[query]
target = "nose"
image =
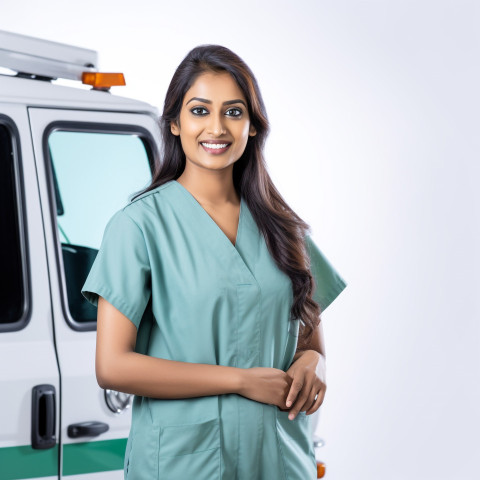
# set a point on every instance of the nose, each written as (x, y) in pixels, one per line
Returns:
(216, 126)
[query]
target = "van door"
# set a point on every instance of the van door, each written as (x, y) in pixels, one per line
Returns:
(89, 165)
(29, 376)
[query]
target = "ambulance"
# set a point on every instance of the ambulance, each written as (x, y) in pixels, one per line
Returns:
(71, 155)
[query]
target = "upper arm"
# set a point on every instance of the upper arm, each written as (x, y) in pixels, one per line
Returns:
(328, 282)
(328, 285)
(119, 285)
(316, 342)
(116, 335)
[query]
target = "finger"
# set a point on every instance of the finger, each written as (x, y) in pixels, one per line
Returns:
(295, 388)
(310, 409)
(311, 399)
(299, 404)
(318, 402)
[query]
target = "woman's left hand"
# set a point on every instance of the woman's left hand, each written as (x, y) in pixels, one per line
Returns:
(308, 381)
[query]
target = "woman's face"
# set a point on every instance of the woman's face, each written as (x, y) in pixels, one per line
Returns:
(214, 122)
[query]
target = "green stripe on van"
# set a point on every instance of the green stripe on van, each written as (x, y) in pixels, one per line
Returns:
(26, 462)
(90, 457)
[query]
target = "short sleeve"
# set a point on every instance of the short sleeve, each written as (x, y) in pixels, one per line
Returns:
(121, 270)
(328, 283)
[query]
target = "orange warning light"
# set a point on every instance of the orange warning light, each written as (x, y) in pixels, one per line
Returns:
(103, 80)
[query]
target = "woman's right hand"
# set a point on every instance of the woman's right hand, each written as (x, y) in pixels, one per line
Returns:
(266, 385)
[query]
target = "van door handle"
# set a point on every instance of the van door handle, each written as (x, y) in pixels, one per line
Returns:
(86, 429)
(43, 416)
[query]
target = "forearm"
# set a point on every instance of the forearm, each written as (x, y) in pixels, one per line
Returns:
(298, 354)
(143, 375)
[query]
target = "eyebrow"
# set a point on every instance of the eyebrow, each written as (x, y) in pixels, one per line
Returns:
(228, 102)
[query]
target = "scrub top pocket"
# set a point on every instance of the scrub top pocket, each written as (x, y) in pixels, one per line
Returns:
(141, 452)
(295, 441)
(190, 451)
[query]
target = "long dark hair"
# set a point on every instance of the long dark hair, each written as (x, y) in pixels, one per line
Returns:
(282, 228)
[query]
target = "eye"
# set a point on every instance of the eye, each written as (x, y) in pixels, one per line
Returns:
(237, 110)
(198, 108)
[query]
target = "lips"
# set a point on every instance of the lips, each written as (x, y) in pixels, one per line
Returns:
(215, 146)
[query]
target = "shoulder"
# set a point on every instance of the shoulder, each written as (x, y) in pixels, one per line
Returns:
(148, 206)
(312, 248)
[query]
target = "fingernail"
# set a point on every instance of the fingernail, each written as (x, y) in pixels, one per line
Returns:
(289, 403)
(290, 416)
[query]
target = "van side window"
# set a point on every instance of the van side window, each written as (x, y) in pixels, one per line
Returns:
(94, 175)
(12, 292)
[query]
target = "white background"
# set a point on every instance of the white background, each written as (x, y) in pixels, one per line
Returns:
(374, 109)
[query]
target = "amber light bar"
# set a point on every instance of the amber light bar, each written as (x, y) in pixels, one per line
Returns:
(103, 80)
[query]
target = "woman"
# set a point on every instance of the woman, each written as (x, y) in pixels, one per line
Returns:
(201, 282)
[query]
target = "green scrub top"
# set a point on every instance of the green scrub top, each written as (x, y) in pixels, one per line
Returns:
(196, 297)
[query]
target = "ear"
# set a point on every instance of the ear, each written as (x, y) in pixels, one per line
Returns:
(174, 128)
(252, 131)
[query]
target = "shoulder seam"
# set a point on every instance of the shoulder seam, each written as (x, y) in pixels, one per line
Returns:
(147, 194)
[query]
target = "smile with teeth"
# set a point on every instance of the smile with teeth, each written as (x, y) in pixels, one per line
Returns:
(215, 145)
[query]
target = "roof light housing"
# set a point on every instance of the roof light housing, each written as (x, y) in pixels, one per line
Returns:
(39, 59)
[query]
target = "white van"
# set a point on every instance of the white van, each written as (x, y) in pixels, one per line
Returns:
(70, 157)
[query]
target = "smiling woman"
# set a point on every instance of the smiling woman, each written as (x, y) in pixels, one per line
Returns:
(209, 292)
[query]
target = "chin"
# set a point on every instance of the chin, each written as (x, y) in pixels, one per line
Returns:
(214, 164)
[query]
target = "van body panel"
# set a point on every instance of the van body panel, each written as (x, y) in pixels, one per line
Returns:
(27, 349)
(83, 400)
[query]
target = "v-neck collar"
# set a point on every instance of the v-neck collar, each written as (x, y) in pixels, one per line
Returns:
(247, 244)
(211, 220)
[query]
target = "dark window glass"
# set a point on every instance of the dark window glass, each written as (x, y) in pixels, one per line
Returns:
(11, 271)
